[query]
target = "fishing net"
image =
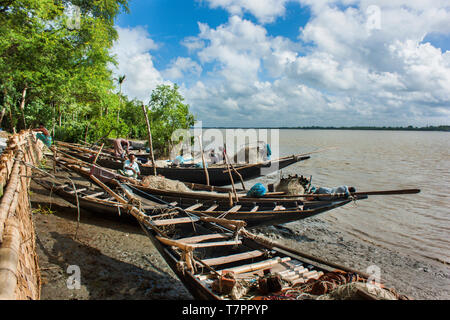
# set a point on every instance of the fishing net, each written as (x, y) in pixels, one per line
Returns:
(292, 185)
(158, 182)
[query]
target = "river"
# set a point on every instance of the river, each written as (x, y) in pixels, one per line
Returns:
(415, 224)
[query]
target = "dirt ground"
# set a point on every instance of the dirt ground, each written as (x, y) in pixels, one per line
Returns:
(117, 261)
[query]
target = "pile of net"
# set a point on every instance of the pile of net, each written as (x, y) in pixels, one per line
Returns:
(336, 285)
(159, 182)
(292, 185)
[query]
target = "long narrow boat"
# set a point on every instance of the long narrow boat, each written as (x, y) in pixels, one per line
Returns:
(219, 259)
(98, 201)
(261, 214)
(189, 173)
(193, 192)
(256, 212)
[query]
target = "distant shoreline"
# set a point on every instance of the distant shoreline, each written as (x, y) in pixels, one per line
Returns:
(409, 128)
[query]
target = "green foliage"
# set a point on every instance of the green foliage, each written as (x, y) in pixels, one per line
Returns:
(167, 114)
(43, 210)
(58, 72)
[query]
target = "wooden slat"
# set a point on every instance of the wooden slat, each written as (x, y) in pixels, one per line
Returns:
(212, 208)
(233, 258)
(204, 237)
(234, 209)
(159, 216)
(95, 194)
(79, 190)
(257, 265)
(174, 221)
(193, 207)
(216, 244)
(250, 267)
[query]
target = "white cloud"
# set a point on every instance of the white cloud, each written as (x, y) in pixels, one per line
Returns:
(338, 65)
(266, 11)
(132, 51)
(338, 72)
(181, 66)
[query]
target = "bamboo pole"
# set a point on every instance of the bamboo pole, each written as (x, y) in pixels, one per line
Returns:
(150, 144)
(232, 181)
(234, 169)
(9, 259)
(11, 189)
(203, 160)
(98, 153)
(340, 195)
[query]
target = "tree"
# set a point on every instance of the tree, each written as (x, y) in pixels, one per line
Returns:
(167, 114)
(120, 81)
(52, 72)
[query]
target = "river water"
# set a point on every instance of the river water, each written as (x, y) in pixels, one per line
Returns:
(416, 224)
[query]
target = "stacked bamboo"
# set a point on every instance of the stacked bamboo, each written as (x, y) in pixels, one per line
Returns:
(19, 269)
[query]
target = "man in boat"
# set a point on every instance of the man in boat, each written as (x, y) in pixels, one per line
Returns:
(131, 167)
(43, 135)
(119, 145)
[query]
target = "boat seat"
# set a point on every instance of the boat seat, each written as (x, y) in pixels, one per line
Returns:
(212, 208)
(204, 237)
(257, 266)
(233, 258)
(216, 244)
(166, 222)
(193, 207)
(234, 209)
(79, 190)
(95, 194)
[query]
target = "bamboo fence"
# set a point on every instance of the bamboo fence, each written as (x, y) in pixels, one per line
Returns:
(19, 268)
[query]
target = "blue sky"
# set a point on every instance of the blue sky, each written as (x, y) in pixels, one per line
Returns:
(292, 62)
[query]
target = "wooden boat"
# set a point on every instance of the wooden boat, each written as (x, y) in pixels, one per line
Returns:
(98, 201)
(219, 259)
(218, 176)
(254, 211)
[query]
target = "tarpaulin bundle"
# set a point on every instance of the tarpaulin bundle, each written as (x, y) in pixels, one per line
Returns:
(258, 190)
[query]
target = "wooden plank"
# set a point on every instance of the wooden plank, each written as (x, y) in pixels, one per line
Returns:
(159, 216)
(174, 221)
(257, 265)
(204, 237)
(79, 190)
(193, 207)
(212, 208)
(234, 209)
(95, 194)
(216, 244)
(233, 258)
(250, 267)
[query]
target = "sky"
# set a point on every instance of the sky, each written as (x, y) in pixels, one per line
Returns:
(271, 63)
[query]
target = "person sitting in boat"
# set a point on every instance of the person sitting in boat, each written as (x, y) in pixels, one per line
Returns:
(330, 191)
(43, 135)
(131, 167)
(119, 146)
(214, 157)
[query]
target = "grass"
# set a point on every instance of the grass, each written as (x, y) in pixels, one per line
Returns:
(43, 210)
